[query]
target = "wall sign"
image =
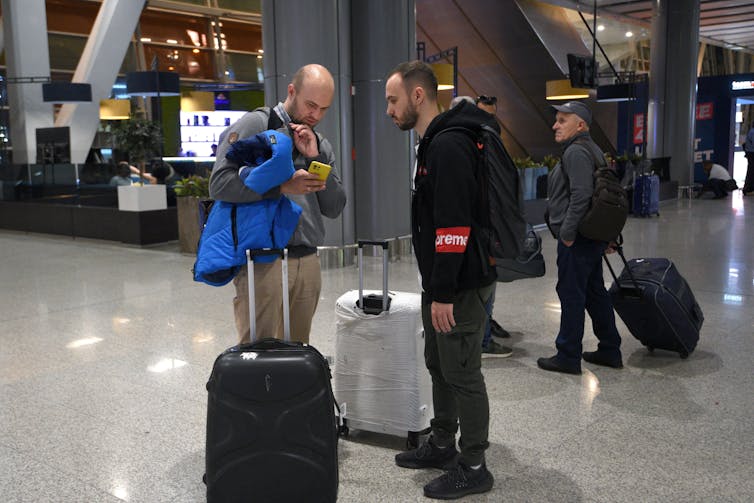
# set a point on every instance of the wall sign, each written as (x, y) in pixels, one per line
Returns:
(638, 129)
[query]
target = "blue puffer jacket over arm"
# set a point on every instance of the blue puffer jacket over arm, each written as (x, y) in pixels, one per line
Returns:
(231, 228)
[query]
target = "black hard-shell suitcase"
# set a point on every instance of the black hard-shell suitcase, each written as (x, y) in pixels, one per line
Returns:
(656, 304)
(272, 431)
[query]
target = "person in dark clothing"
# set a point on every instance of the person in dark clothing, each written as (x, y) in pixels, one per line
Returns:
(748, 147)
(490, 347)
(580, 283)
(456, 281)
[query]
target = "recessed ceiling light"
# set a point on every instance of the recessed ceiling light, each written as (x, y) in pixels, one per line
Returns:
(600, 27)
(629, 34)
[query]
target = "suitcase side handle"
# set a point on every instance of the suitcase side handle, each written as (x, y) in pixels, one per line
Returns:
(263, 252)
(385, 298)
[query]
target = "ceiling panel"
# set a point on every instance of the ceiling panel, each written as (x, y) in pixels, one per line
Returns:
(720, 20)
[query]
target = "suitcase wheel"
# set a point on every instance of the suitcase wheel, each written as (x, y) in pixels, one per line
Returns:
(684, 355)
(651, 349)
(412, 440)
(343, 430)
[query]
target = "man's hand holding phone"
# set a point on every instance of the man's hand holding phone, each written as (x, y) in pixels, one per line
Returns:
(302, 182)
(320, 169)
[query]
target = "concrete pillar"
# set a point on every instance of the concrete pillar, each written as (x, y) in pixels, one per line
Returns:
(296, 33)
(376, 35)
(672, 85)
(99, 64)
(26, 56)
(384, 34)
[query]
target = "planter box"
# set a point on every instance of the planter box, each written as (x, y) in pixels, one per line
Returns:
(190, 218)
(142, 198)
(529, 180)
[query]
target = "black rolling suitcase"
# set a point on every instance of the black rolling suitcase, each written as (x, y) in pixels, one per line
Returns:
(656, 304)
(272, 431)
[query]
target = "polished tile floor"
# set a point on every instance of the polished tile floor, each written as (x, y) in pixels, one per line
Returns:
(106, 350)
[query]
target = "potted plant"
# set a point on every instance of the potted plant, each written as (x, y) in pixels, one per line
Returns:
(550, 161)
(140, 138)
(192, 206)
(529, 171)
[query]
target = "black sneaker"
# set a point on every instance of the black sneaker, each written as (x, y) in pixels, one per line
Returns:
(599, 358)
(497, 350)
(428, 455)
(497, 330)
(459, 482)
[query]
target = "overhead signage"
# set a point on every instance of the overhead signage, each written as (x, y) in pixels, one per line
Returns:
(739, 85)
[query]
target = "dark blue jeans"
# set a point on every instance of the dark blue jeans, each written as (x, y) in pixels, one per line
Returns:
(581, 287)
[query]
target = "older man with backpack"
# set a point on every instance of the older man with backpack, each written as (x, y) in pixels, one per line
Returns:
(583, 220)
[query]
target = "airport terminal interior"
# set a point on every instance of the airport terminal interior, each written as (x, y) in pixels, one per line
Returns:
(108, 342)
(107, 350)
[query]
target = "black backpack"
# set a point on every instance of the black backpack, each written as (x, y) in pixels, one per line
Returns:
(513, 248)
(608, 211)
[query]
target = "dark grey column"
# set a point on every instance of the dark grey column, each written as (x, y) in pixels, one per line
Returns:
(359, 42)
(27, 56)
(384, 34)
(297, 33)
(672, 85)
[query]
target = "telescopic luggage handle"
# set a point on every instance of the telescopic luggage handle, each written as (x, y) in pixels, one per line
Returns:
(266, 252)
(370, 307)
(619, 249)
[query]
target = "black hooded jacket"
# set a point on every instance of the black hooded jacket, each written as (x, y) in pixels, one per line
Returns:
(445, 206)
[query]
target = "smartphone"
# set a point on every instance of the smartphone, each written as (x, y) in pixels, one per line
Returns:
(320, 169)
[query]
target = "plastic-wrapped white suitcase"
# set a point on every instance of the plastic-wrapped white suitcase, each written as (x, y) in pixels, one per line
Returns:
(380, 380)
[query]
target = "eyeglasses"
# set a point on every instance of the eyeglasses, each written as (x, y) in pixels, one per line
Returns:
(487, 100)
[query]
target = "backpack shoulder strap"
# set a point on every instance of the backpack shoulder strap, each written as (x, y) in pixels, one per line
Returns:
(599, 161)
(273, 121)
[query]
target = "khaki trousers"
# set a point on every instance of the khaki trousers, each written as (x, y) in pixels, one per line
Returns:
(304, 286)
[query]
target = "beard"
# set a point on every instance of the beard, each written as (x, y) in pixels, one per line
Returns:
(294, 114)
(407, 121)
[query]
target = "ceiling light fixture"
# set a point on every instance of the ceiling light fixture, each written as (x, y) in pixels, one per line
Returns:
(562, 90)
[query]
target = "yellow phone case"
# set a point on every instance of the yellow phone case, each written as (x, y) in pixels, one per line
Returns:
(320, 169)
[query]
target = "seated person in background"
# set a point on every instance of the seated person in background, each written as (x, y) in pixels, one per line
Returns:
(122, 174)
(719, 180)
(134, 172)
(163, 173)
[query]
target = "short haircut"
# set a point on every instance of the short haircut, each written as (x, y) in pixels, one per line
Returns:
(417, 73)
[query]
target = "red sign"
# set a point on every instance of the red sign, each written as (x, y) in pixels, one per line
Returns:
(704, 111)
(638, 129)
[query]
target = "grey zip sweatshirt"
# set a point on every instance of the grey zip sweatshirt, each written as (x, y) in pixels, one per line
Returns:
(225, 184)
(570, 186)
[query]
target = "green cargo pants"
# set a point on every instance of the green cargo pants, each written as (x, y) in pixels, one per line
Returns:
(454, 361)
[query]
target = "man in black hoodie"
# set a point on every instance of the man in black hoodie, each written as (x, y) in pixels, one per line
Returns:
(456, 281)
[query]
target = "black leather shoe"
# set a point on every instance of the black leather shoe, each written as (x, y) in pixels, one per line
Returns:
(554, 365)
(601, 359)
(428, 455)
